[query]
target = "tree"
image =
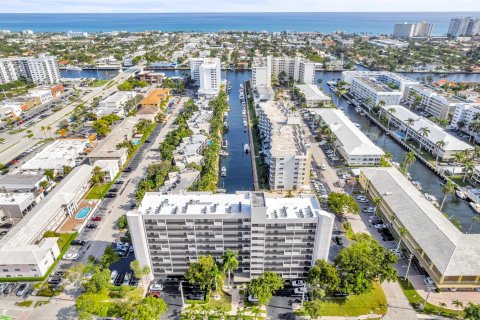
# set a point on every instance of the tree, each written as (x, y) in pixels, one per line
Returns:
(458, 304)
(447, 188)
(362, 263)
(256, 310)
(323, 275)
(440, 144)
(338, 202)
(408, 159)
(89, 303)
(402, 231)
(101, 127)
(475, 219)
(391, 111)
(44, 184)
(109, 257)
(204, 272)
(409, 123)
(67, 170)
(472, 311)
(149, 308)
(313, 308)
(424, 132)
(98, 282)
(139, 271)
(265, 286)
(469, 166)
(122, 222)
(230, 263)
(49, 173)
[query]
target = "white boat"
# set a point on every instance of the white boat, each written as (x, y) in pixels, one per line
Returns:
(246, 148)
(460, 194)
(224, 143)
(73, 68)
(223, 172)
(358, 109)
(356, 125)
(349, 102)
(417, 185)
(430, 198)
(245, 123)
(362, 113)
(475, 206)
(223, 153)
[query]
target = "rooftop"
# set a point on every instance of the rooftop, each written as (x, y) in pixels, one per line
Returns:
(312, 92)
(156, 96)
(10, 182)
(14, 198)
(118, 96)
(453, 252)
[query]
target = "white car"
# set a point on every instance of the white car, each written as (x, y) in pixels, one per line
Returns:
(380, 226)
(363, 201)
(395, 251)
(298, 283)
(428, 281)
(156, 287)
(300, 290)
(71, 256)
(335, 158)
(361, 197)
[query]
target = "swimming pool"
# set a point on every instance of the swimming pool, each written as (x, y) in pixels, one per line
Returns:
(136, 141)
(82, 213)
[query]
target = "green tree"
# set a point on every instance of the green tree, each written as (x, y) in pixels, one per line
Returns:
(458, 304)
(109, 257)
(67, 170)
(313, 308)
(265, 286)
(472, 311)
(149, 308)
(98, 282)
(402, 232)
(122, 222)
(323, 275)
(338, 202)
(88, 304)
(49, 173)
(139, 271)
(44, 184)
(440, 144)
(424, 132)
(362, 263)
(447, 188)
(230, 263)
(204, 272)
(408, 159)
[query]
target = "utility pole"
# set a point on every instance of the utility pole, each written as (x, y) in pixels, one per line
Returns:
(409, 263)
(181, 292)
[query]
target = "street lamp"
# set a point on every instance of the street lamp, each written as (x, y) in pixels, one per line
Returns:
(181, 292)
(409, 263)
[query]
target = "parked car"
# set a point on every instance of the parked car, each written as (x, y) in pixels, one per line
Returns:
(55, 281)
(363, 201)
(380, 226)
(8, 288)
(298, 283)
(155, 294)
(369, 210)
(360, 197)
(22, 289)
(97, 218)
(58, 273)
(78, 243)
(338, 240)
(6, 225)
(91, 226)
(300, 290)
(156, 287)
(113, 276)
(71, 256)
(428, 281)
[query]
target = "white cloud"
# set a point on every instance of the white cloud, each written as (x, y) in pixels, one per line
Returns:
(150, 6)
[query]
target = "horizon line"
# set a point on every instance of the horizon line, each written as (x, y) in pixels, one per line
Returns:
(222, 12)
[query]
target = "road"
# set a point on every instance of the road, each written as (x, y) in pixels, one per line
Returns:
(18, 142)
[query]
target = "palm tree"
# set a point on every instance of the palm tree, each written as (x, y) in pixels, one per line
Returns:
(408, 159)
(475, 220)
(391, 111)
(458, 304)
(424, 132)
(442, 304)
(459, 157)
(240, 314)
(401, 232)
(469, 165)
(448, 188)
(409, 122)
(439, 145)
(192, 311)
(230, 263)
(49, 129)
(44, 184)
(474, 127)
(417, 100)
(49, 173)
(204, 310)
(475, 152)
(256, 310)
(43, 130)
(388, 155)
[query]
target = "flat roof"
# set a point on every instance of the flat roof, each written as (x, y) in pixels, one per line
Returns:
(118, 96)
(352, 139)
(11, 198)
(60, 153)
(312, 92)
(156, 96)
(20, 181)
(436, 132)
(453, 252)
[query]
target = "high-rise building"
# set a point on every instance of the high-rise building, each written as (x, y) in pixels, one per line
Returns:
(412, 29)
(298, 69)
(40, 70)
(284, 147)
(210, 76)
(270, 233)
(77, 34)
(195, 64)
(464, 27)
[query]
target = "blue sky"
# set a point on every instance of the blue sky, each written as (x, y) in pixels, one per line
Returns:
(79, 6)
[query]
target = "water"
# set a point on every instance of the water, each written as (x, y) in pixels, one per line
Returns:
(99, 74)
(239, 170)
(238, 164)
(326, 22)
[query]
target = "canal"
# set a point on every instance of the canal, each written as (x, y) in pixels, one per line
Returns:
(239, 167)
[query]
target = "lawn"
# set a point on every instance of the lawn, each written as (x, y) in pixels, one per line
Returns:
(416, 300)
(98, 192)
(98, 83)
(26, 303)
(356, 305)
(225, 302)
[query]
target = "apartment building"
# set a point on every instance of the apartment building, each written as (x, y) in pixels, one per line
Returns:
(434, 101)
(463, 117)
(399, 117)
(24, 251)
(270, 233)
(372, 87)
(210, 77)
(413, 29)
(314, 97)
(114, 104)
(351, 144)
(298, 69)
(467, 26)
(283, 146)
(449, 256)
(40, 70)
(77, 34)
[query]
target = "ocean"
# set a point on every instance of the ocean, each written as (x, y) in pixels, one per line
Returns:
(371, 23)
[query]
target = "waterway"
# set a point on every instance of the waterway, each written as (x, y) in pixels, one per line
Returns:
(238, 165)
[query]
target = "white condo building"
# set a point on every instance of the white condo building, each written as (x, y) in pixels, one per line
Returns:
(352, 144)
(298, 69)
(77, 34)
(434, 101)
(206, 72)
(40, 70)
(373, 87)
(412, 29)
(270, 233)
(463, 117)
(464, 27)
(283, 146)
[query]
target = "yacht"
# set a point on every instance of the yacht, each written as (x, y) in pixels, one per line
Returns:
(223, 172)
(356, 125)
(358, 109)
(417, 185)
(460, 194)
(475, 206)
(73, 68)
(432, 199)
(348, 102)
(245, 123)
(224, 144)
(223, 153)
(246, 148)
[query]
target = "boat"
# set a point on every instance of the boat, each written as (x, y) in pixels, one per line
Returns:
(460, 194)
(430, 198)
(223, 153)
(475, 206)
(245, 123)
(73, 68)
(417, 185)
(362, 113)
(224, 144)
(358, 109)
(246, 148)
(356, 125)
(348, 102)
(223, 172)
(225, 125)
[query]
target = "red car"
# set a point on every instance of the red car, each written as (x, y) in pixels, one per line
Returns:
(97, 219)
(155, 294)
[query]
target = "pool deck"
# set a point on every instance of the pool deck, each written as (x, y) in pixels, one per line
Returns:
(72, 223)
